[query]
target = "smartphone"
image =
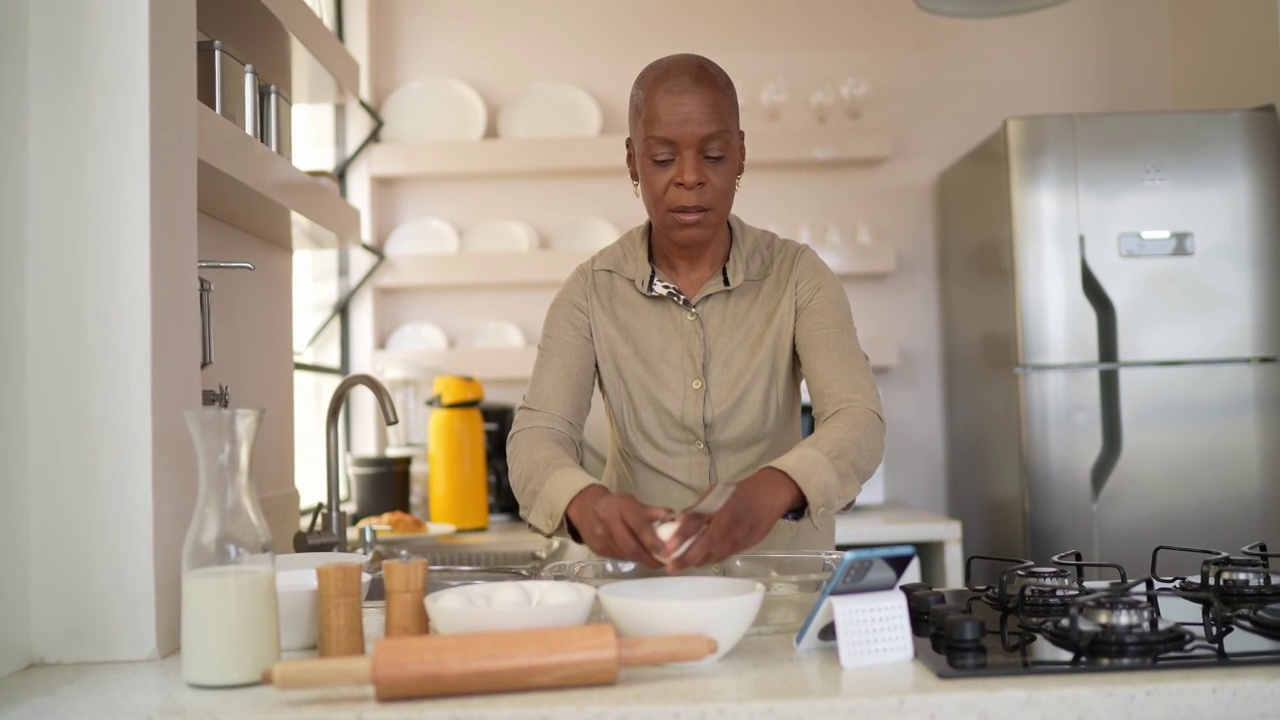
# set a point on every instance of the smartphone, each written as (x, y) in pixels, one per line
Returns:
(860, 570)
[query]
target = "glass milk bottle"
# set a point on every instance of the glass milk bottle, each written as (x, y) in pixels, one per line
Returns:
(230, 622)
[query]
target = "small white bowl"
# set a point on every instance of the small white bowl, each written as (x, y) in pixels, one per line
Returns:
(720, 607)
(296, 587)
(515, 605)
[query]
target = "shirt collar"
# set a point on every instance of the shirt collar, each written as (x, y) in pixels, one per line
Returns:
(749, 256)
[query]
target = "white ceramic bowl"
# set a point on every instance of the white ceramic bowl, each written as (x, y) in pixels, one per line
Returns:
(516, 605)
(720, 607)
(296, 587)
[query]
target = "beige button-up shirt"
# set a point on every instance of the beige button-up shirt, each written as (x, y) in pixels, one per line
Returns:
(701, 396)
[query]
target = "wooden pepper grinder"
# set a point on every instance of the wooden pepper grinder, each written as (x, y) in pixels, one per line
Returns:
(341, 630)
(406, 585)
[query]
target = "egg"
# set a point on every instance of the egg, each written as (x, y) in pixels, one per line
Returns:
(666, 531)
(508, 595)
(557, 594)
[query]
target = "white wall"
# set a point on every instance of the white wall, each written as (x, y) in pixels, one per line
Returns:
(939, 85)
(1224, 54)
(15, 609)
(253, 356)
(112, 348)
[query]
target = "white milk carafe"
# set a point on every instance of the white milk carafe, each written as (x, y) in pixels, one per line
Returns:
(230, 621)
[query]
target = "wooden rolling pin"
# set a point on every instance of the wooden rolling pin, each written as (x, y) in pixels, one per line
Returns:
(423, 666)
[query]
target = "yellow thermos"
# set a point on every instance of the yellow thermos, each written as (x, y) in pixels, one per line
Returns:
(457, 480)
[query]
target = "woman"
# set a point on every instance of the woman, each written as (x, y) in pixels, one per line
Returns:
(699, 329)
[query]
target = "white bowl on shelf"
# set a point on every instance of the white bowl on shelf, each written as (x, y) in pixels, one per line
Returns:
(296, 590)
(417, 336)
(493, 334)
(589, 234)
(720, 607)
(500, 236)
(515, 605)
(422, 236)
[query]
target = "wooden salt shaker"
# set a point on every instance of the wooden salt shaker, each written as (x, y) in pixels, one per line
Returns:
(406, 585)
(341, 630)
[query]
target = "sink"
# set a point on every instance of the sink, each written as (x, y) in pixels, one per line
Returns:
(440, 577)
(471, 561)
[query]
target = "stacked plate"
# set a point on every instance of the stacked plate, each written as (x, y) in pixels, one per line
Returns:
(448, 109)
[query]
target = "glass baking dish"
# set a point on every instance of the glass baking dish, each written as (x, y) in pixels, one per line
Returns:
(792, 581)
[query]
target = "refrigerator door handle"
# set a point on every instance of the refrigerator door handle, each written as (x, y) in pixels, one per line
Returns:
(1108, 379)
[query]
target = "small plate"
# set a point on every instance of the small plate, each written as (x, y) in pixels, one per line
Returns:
(417, 336)
(590, 234)
(386, 537)
(424, 236)
(433, 110)
(500, 236)
(493, 334)
(548, 110)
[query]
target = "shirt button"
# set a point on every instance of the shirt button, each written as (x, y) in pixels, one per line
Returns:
(700, 445)
(697, 384)
(693, 315)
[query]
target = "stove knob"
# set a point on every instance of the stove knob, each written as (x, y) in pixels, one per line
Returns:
(938, 615)
(909, 588)
(921, 601)
(964, 630)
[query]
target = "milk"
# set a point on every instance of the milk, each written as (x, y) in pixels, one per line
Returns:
(230, 625)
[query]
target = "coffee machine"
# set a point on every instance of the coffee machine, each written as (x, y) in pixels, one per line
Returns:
(497, 425)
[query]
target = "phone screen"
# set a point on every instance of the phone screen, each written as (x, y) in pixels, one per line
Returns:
(860, 570)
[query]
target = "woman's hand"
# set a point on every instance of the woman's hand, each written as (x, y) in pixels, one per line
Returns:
(616, 525)
(757, 503)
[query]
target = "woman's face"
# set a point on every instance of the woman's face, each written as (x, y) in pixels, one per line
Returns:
(687, 151)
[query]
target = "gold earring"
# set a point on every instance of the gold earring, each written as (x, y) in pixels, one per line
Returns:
(737, 184)
(635, 187)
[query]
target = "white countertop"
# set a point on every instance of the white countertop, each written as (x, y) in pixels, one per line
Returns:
(894, 523)
(764, 677)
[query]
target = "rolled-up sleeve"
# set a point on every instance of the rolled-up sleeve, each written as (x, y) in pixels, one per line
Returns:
(544, 449)
(847, 445)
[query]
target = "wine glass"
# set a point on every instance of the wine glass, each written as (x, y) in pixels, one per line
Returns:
(773, 97)
(853, 92)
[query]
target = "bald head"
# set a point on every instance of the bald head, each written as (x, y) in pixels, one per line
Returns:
(681, 73)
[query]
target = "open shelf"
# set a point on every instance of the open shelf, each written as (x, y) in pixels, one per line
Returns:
(478, 270)
(516, 364)
(484, 364)
(243, 183)
(551, 267)
(336, 65)
(496, 157)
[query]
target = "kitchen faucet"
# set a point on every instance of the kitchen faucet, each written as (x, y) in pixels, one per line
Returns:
(333, 533)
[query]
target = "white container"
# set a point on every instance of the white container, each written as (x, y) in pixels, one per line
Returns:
(296, 590)
(720, 607)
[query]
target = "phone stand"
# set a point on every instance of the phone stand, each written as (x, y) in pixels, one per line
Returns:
(871, 628)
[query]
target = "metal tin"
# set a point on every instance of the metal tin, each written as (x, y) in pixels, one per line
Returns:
(277, 120)
(220, 80)
(252, 122)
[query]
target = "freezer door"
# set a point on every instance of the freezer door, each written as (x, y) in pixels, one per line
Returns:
(1179, 218)
(1197, 461)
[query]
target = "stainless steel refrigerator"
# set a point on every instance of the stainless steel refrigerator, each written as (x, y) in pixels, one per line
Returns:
(1110, 292)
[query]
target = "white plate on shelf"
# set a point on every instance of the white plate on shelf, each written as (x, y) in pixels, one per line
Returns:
(588, 234)
(549, 109)
(417, 336)
(500, 236)
(433, 110)
(492, 334)
(424, 236)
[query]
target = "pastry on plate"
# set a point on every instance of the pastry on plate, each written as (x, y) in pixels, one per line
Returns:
(399, 522)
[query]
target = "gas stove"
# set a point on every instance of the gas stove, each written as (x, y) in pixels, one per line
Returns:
(1073, 615)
